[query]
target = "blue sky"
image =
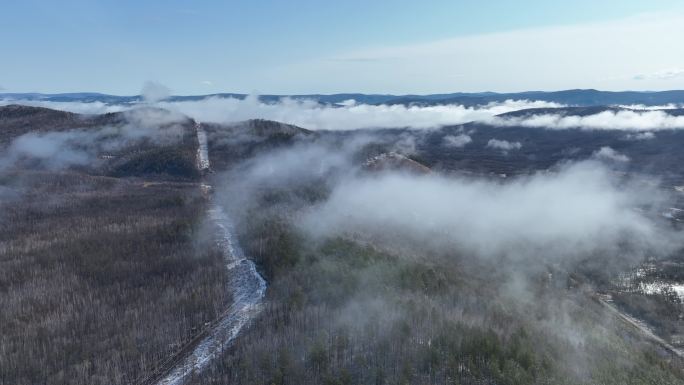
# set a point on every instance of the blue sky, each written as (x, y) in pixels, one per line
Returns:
(301, 46)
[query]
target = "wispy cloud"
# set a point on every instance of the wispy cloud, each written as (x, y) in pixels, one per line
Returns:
(580, 210)
(670, 106)
(641, 136)
(506, 61)
(351, 116)
(666, 74)
(607, 153)
(360, 59)
(503, 145)
(89, 108)
(153, 92)
(62, 149)
(457, 141)
(606, 120)
(308, 113)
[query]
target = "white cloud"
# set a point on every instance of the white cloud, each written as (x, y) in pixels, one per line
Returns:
(90, 108)
(606, 120)
(207, 83)
(154, 92)
(311, 115)
(670, 106)
(61, 149)
(666, 74)
(503, 145)
(577, 210)
(580, 210)
(641, 136)
(347, 103)
(350, 115)
(602, 55)
(457, 141)
(607, 153)
(56, 147)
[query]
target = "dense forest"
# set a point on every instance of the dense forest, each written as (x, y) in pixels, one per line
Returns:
(109, 267)
(345, 312)
(106, 268)
(355, 309)
(101, 278)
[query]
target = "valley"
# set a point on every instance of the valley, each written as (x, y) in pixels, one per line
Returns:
(338, 257)
(341, 193)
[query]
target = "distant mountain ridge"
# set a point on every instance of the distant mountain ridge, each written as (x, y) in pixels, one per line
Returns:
(577, 97)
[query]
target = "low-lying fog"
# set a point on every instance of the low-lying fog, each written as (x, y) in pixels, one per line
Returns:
(351, 115)
(576, 210)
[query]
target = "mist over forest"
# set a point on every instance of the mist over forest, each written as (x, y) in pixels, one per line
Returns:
(341, 193)
(509, 242)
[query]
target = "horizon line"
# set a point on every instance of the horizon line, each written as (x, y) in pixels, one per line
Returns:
(2, 93)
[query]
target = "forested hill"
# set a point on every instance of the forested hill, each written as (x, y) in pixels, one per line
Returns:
(579, 97)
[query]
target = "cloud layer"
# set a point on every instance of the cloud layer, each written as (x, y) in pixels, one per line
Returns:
(77, 147)
(310, 114)
(607, 153)
(665, 74)
(503, 145)
(457, 141)
(607, 120)
(576, 212)
(154, 92)
(87, 108)
(352, 116)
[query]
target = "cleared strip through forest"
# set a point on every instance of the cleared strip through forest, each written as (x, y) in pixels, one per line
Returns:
(247, 286)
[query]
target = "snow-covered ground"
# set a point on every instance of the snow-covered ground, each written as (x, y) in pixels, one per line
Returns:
(657, 287)
(639, 281)
(202, 149)
(248, 289)
(246, 284)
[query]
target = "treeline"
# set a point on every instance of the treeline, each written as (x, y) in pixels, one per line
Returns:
(100, 278)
